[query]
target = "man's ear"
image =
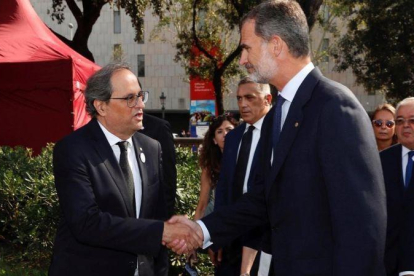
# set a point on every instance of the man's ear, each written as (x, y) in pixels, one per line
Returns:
(268, 99)
(277, 45)
(100, 107)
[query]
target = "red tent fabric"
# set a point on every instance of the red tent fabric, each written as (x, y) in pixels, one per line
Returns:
(41, 80)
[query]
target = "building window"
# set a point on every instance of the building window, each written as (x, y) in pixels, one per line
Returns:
(118, 53)
(117, 22)
(142, 39)
(325, 50)
(141, 65)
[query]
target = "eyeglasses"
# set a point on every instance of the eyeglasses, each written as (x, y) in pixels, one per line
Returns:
(378, 123)
(132, 100)
(401, 121)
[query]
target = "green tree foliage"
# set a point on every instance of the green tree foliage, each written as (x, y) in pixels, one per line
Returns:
(211, 27)
(379, 46)
(87, 15)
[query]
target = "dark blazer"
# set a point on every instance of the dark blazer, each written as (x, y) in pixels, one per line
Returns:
(98, 233)
(232, 254)
(324, 195)
(399, 250)
(160, 130)
(224, 189)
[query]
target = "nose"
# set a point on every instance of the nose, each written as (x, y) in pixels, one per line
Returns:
(383, 126)
(140, 104)
(243, 57)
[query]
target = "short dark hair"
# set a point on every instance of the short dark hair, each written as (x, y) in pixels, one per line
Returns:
(99, 86)
(283, 18)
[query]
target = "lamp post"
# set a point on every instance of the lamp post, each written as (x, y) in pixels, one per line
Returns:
(70, 25)
(162, 101)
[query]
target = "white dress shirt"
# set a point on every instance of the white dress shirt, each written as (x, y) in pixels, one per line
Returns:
(255, 140)
(133, 163)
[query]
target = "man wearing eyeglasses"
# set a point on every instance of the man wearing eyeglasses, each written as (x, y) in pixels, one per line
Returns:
(397, 165)
(109, 181)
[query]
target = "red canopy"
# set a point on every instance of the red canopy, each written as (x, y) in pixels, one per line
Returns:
(41, 80)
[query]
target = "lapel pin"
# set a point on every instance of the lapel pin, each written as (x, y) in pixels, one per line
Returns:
(142, 157)
(140, 149)
(296, 124)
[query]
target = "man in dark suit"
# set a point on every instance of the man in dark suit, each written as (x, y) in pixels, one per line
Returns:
(109, 181)
(254, 101)
(319, 184)
(397, 165)
(160, 130)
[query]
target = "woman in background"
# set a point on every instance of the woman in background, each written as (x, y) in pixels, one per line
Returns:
(384, 126)
(209, 161)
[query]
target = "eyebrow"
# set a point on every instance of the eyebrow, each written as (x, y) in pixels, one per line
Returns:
(244, 46)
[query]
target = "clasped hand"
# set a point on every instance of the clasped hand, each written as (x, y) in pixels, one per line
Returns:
(182, 235)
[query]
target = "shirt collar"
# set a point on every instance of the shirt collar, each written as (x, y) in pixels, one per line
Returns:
(290, 89)
(405, 151)
(257, 125)
(112, 139)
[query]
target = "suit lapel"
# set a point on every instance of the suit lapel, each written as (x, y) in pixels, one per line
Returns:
(105, 152)
(141, 155)
(292, 124)
(233, 151)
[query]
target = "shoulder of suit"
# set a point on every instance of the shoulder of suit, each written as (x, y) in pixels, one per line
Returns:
(144, 139)
(154, 119)
(239, 130)
(394, 150)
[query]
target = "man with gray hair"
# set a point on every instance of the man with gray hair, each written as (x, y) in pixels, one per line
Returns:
(319, 183)
(237, 175)
(109, 181)
(397, 165)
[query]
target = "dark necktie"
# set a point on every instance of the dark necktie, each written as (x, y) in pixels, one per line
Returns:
(277, 121)
(241, 165)
(126, 170)
(409, 169)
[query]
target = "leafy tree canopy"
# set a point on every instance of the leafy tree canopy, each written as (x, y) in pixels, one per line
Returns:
(88, 13)
(379, 46)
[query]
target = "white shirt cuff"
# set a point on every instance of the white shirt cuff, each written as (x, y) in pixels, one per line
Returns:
(406, 273)
(207, 238)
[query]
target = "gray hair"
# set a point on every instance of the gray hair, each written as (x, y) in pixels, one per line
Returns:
(99, 86)
(285, 19)
(409, 100)
(262, 88)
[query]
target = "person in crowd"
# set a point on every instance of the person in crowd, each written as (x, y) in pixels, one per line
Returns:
(160, 130)
(237, 175)
(384, 126)
(108, 179)
(210, 163)
(397, 165)
(319, 184)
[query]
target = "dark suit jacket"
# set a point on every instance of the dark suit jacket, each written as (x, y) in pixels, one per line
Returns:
(324, 195)
(160, 130)
(399, 250)
(225, 185)
(98, 233)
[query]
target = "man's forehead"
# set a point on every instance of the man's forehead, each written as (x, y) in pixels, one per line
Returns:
(406, 108)
(247, 89)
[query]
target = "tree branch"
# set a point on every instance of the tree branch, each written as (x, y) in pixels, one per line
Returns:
(77, 13)
(196, 40)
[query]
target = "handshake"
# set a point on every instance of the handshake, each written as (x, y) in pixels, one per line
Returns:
(182, 235)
